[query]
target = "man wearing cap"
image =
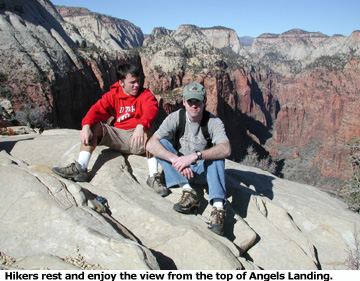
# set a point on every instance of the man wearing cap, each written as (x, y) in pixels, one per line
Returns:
(191, 159)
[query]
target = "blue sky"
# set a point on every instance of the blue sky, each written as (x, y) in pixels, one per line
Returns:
(246, 17)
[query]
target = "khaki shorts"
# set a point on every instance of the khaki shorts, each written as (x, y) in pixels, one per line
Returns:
(119, 139)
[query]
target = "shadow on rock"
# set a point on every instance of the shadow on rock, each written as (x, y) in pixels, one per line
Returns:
(105, 156)
(164, 262)
(9, 145)
(241, 185)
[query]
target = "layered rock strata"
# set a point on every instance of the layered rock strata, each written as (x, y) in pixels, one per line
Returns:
(63, 226)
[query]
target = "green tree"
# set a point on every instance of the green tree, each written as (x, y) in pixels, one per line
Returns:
(3, 77)
(351, 192)
(252, 159)
(83, 44)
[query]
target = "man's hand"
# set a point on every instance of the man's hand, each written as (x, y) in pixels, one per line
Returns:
(138, 137)
(187, 173)
(182, 164)
(86, 135)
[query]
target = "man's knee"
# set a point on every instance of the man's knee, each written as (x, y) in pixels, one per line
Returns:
(97, 131)
(96, 128)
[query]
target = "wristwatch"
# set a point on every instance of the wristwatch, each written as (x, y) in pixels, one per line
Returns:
(199, 155)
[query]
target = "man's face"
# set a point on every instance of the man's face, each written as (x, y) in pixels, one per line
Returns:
(194, 108)
(130, 85)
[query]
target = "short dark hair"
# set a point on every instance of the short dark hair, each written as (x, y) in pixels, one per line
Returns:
(123, 69)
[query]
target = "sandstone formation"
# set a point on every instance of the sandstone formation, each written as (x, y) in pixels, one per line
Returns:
(321, 112)
(301, 100)
(31, 46)
(293, 95)
(221, 37)
(271, 223)
(156, 33)
(296, 91)
(296, 49)
(42, 68)
(107, 33)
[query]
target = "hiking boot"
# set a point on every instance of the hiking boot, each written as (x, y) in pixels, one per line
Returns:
(188, 201)
(156, 183)
(73, 172)
(216, 222)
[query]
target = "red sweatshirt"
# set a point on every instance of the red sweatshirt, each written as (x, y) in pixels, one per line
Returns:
(127, 110)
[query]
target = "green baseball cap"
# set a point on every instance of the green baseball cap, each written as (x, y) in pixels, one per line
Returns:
(194, 91)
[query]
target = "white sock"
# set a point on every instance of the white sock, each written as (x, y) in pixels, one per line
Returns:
(153, 166)
(186, 186)
(84, 159)
(218, 203)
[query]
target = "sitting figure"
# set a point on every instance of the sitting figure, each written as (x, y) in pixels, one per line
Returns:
(191, 146)
(134, 110)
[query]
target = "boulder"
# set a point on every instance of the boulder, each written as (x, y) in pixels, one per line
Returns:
(51, 222)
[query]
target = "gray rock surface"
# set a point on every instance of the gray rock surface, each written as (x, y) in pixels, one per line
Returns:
(105, 32)
(50, 222)
(295, 50)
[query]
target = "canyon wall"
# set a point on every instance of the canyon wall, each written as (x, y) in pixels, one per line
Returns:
(110, 34)
(43, 68)
(302, 107)
(293, 96)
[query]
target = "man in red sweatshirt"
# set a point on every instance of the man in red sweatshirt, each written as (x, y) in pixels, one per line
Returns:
(134, 110)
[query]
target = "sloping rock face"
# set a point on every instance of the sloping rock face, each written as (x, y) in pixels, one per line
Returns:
(43, 69)
(273, 95)
(271, 223)
(29, 48)
(294, 45)
(292, 51)
(317, 93)
(107, 33)
(297, 91)
(319, 117)
(156, 32)
(186, 55)
(221, 37)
